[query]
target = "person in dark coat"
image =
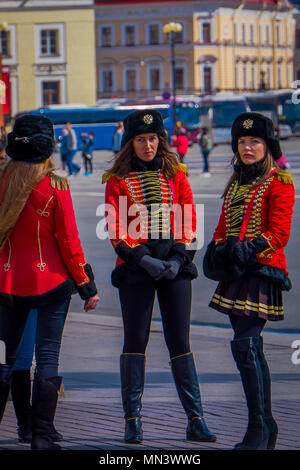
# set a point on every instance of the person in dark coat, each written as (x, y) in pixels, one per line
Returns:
(42, 262)
(157, 257)
(253, 229)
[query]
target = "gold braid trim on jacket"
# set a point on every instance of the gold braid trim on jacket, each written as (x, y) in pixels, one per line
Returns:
(59, 180)
(284, 177)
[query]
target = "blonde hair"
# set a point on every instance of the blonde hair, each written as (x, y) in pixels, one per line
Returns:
(17, 180)
(268, 164)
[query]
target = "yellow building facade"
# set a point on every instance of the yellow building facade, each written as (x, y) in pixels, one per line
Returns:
(48, 49)
(223, 46)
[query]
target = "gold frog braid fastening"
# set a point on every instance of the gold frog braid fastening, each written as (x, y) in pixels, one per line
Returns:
(41, 265)
(7, 266)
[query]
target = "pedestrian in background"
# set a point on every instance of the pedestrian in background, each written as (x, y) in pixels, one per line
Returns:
(206, 147)
(43, 264)
(73, 168)
(63, 148)
(247, 257)
(87, 142)
(117, 137)
(156, 259)
(181, 142)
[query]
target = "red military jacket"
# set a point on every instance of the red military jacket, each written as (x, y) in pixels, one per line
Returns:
(127, 214)
(43, 251)
(268, 210)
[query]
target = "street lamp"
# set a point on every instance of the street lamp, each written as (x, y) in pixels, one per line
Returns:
(172, 28)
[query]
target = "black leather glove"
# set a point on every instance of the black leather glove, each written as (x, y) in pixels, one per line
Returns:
(154, 267)
(245, 252)
(175, 263)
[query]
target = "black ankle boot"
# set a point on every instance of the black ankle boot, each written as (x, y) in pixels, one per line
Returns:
(44, 401)
(5, 380)
(132, 368)
(267, 395)
(245, 356)
(186, 380)
(21, 396)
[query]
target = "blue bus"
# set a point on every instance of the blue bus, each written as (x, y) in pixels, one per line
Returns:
(222, 109)
(277, 105)
(99, 120)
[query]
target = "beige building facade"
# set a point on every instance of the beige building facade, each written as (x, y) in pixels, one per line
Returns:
(48, 49)
(223, 46)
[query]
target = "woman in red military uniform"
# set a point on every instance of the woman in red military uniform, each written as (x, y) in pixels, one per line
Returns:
(252, 232)
(147, 194)
(41, 264)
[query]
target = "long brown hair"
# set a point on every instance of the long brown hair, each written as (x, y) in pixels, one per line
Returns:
(122, 161)
(17, 180)
(268, 164)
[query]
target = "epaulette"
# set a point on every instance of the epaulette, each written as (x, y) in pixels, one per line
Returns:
(59, 180)
(284, 177)
(183, 167)
(107, 175)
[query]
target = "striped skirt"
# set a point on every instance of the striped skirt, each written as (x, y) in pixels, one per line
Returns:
(251, 296)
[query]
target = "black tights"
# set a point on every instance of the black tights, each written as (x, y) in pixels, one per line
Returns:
(245, 327)
(174, 299)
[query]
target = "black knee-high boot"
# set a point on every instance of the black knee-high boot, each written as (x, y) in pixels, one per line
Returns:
(186, 381)
(21, 398)
(245, 355)
(44, 401)
(266, 378)
(132, 367)
(5, 380)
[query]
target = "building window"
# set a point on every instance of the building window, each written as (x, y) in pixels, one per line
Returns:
(49, 42)
(154, 79)
(130, 77)
(153, 34)
(243, 33)
(260, 34)
(50, 93)
(236, 81)
(129, 35)
(268, 34)
(245, 77)
(269, 76)
(297, 38)
(107, 81)
(207, 76)
(298, 75)
(251, 34)
(253, 77)
(206, 32)
(178, 37)
(5, 43)
(235, 33)
(279, 84)
(106, 36)
(179, 77)
(277, 34)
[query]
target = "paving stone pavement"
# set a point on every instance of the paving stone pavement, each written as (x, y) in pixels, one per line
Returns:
(90, 415)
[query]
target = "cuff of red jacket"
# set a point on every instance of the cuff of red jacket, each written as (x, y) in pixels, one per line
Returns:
(132, 256)
(89, 289)
(184, 251)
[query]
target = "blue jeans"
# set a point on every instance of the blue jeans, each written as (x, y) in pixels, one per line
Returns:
(49, 329)
(205, 155)
(72, 167)
(25, 354)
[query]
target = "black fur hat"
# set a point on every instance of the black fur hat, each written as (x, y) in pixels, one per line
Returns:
(32, 139)
(143, 122)
(256, 125)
